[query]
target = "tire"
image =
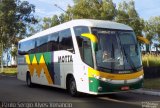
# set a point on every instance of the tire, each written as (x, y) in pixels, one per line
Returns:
(72, 88)
(28, 80)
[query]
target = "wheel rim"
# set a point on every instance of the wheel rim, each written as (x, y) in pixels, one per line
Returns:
(73, 87)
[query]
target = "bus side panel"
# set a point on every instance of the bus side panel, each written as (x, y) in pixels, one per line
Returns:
(39, 65)
(22, 68)
(68, 63)
(63, 65)
(80, 74)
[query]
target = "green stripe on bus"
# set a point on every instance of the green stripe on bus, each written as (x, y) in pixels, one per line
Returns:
(31, 56)
(47, 57)
(38, 56)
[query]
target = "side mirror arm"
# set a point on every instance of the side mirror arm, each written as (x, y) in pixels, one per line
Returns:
(93, 39)
(143, 40)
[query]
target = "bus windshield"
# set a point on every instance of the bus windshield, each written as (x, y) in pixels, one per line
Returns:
(118, 51)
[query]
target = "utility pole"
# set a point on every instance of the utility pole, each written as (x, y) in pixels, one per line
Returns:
(69, 14)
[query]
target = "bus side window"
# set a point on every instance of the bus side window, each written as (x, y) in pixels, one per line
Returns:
(87, 52)
(53, 42)
(84, 45)
(31, 49)
(27, 47)
(65, 40)
(42, 44)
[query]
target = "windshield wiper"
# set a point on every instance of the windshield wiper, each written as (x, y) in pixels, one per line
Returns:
(105, 69)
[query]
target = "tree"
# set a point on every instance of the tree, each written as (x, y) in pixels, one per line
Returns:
(55, 20)
(155, 23)
(152, 31)
(34, 28)
(48, 22)
(14, 17)
(127, 14)
(7, 14)
(93, 9)
(63, 18)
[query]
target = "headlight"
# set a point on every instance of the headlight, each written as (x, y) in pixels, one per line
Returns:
(103, 79)
(100, 78)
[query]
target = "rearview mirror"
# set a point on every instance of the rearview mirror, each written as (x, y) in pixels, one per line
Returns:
(143, 40)
(93, 39)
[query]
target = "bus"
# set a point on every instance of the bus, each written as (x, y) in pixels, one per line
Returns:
(82, 56)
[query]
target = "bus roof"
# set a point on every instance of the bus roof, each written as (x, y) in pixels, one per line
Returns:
(81, 22)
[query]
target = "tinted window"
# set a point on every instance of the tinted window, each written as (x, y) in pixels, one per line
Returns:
(78, 31)
(42, 44)
(65, 40)
(61, 40)
(26, 47)
(53, 42)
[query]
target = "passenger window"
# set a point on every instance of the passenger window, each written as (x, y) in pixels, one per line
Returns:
(27, 47)
(42, 44)
(53, 42)
(65, 40)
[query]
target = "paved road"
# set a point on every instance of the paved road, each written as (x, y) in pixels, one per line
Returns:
(15, 91)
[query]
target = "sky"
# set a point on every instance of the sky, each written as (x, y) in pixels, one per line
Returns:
(46, 8)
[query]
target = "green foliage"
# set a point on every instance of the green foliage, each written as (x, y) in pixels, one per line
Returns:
(99, 9)
(154, 26)
(93, 9)
(127, 14)
(152, 30)
(48, 22)
(14, 17)
(83, 9)
(7, 14)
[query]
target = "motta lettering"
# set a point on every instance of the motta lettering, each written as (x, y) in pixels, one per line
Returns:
(65, 59)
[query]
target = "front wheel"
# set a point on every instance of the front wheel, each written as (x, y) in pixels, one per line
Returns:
(72, 87)
(28, 80)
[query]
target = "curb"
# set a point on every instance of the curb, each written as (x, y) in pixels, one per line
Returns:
(147, 92)
(8, 74)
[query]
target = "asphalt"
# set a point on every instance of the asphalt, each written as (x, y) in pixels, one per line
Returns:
(16, 92)
(148, 92)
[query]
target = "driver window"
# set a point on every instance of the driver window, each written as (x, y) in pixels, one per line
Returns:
(84, 45)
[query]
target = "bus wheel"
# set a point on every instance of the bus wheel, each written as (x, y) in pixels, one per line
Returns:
(28, 80)
(72, 87)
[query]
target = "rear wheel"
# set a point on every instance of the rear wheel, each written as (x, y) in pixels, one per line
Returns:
(72, 88)
(28, 80)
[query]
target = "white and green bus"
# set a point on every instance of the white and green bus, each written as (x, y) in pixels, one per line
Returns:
(83, 55)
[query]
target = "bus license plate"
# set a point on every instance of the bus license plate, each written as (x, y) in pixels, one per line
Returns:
(125, 88)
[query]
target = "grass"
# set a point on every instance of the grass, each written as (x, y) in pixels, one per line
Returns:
(9, 71)
(151, 60)
(152, 83)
